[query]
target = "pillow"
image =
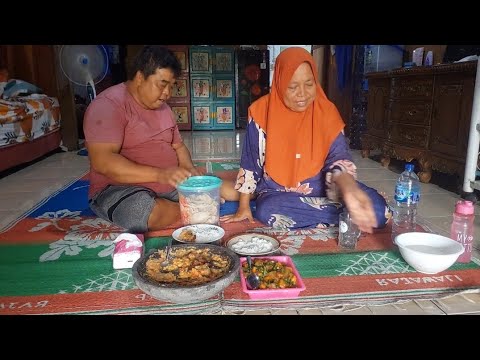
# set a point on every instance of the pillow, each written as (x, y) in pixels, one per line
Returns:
(3, 79)
(18, 87)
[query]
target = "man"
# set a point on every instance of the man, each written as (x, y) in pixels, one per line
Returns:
(137, 157)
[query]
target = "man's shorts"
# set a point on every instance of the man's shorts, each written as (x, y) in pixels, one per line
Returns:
(128, 206)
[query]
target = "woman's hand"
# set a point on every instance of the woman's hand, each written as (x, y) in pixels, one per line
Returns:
(360, 208)
(357, 202)
(241, 214)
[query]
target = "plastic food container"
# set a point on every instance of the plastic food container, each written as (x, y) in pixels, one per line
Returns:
(265, 294)
(199, 198)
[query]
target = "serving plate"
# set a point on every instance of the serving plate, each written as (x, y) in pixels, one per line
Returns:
(204, 233)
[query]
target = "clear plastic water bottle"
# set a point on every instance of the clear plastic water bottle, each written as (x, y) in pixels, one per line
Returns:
(462, 228)
(407, 197)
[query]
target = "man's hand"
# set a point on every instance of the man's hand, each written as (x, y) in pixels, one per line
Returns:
(196, 172)
(185, 160)
(174, 176)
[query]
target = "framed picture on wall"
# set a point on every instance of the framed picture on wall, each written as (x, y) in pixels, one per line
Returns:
(181, 114)
(224, 114)
(182, 58)
(224, 88)
(201, 114)
(201, 88)
(200, 61)
(224, 62)
(180, 88)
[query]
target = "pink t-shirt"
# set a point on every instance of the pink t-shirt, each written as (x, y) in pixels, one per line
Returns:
(146, 135)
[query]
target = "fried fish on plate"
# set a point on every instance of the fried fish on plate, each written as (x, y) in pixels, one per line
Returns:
(187, 235)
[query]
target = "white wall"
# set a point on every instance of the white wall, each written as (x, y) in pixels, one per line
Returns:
(276, 49)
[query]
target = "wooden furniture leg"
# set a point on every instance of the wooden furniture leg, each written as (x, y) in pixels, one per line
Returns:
(385, 160)
(425, 175)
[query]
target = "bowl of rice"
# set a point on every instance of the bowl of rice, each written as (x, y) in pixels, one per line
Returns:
(253, 244)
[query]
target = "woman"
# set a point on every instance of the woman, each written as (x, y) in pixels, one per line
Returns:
(304, 172)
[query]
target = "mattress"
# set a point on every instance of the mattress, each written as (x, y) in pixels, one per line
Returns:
(25, 118)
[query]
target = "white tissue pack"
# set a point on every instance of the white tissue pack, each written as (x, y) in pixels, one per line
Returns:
(128, 249)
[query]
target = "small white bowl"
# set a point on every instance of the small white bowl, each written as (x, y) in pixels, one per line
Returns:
(428, 253)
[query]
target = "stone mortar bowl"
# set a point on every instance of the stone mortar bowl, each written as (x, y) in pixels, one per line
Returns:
(175, 293)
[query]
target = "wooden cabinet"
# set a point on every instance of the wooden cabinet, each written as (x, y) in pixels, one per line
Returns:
(421, 113)
(252, 72)
(180, 100)
(377, 106)
(452, 100)
(212, 87)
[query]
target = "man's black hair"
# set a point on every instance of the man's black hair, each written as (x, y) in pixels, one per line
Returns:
(153, 57)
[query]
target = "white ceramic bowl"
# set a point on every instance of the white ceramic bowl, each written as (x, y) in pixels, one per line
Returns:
(428, 253)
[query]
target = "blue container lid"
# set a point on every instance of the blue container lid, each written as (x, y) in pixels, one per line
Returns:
(409, 167)
(200, 183)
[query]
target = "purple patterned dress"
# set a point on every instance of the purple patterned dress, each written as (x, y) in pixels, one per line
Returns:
(312, 204)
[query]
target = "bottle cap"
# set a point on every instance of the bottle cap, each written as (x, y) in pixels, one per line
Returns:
(464, 207)
(409, 167)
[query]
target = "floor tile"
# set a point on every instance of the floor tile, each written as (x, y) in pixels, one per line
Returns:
(460, 304)
(310, 312)
(380, 174)
(257, 312)
(12, 184)
(424, 307)
(6, 217)
(437, 204)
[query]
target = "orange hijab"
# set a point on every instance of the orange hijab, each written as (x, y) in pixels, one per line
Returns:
(309, 133)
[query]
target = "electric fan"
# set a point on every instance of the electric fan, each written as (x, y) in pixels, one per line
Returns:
(84, 65)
